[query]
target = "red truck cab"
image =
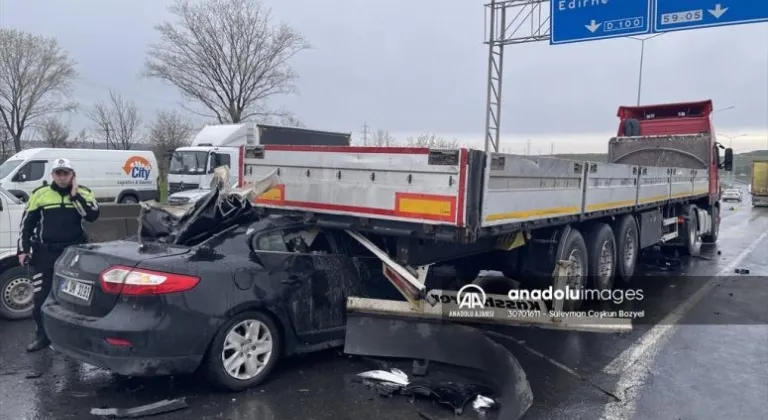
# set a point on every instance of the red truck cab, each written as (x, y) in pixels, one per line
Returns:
(682, 130)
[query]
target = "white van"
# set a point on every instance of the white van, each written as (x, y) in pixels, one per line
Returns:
(119, 176)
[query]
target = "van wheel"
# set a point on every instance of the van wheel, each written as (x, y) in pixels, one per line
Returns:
(129, 199)
(627, 248)
(244, 351)
(16, 294)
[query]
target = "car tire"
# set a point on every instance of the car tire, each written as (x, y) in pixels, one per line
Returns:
(215, 364)
(13, 281)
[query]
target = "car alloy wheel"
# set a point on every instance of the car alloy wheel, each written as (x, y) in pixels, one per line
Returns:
(244, 351)
(247, 349)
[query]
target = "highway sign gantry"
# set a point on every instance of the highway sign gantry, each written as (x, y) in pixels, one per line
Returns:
(680, 15)
(589, 20)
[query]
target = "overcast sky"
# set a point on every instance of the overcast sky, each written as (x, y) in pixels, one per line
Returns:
(420, 65)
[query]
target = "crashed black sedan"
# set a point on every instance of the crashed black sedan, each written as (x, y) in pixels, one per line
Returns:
(228, 303)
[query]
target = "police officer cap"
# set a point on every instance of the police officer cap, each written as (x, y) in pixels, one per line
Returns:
(62, 164)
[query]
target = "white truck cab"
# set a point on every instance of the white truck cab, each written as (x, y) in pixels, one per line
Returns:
(191, 167)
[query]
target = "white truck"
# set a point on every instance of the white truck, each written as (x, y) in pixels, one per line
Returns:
(191, 167)
(525, 216)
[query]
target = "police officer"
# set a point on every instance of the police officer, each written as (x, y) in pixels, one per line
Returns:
(52, 221)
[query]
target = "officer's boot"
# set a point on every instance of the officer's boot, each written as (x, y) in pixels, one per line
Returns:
(41, 340)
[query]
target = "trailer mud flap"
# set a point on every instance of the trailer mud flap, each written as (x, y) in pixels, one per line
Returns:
(448, 343)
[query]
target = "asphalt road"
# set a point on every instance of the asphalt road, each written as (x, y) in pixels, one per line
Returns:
(701, 352)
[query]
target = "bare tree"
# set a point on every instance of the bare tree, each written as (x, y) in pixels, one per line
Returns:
(117, 121)
(82, 140)
(381, 138)
(225, 55)
(432, 141)
(290, 120)
(168, 131)
(36, 77)
(54, 132)
(6, 143)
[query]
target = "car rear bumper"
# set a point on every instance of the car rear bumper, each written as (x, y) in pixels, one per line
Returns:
(84, 339)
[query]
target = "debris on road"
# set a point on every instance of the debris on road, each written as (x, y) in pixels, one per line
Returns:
(741, 271)
(454, 394)
(394, 376)
(159, 407)
(483, 403)
(444, 345)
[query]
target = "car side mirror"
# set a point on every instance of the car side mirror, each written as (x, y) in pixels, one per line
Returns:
(20, 177)
(728, 160)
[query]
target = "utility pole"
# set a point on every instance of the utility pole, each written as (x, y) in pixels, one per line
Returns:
(365, 134)
(552, 149)
(642, 56)
(528, 147)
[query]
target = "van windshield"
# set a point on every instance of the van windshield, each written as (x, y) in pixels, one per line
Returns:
(8, 166)
(188, 162)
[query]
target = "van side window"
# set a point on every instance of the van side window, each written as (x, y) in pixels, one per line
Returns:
(33, 171)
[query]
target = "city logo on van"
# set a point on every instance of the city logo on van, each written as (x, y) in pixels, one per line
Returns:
(137, 167)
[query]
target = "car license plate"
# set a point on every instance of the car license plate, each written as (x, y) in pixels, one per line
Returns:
(76, 289)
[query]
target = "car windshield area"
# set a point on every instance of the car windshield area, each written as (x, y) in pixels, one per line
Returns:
(8, 166)
(188, 162)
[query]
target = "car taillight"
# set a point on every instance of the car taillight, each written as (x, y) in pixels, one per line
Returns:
(139, 282)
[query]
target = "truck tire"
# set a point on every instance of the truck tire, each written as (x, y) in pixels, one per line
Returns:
(575, 250)
(601, 245)
(627, 248)
(712, 237)
(16, 294)
(691, 239)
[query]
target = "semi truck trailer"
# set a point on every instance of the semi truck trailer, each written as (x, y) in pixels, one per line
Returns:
(759, 183)
(417, 208)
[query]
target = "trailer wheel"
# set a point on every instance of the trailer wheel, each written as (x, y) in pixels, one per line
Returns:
(601, 245)
(575, 251)
(627, 248)
(691, 238)
(712, 237)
